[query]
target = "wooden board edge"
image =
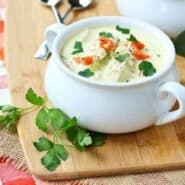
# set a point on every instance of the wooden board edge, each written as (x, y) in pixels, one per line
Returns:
(109, 172)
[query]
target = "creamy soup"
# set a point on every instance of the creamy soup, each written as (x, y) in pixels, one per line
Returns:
(113, 54)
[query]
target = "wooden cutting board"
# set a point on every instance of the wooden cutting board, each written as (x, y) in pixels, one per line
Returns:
(155, 148)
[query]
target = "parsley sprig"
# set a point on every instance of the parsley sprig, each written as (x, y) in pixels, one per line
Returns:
(86, 73)
(179, 44)
(132, 38)
(106, 34)
(122, 30)
(122, 58)
(55, 123)
(55, 153)
(147, 68)
(9, 115)
(78, 48)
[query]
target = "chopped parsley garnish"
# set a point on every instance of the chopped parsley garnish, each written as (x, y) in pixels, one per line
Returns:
(179, 44)
(132, 38)
(122, 58)
(122, 30)
(86, 73)
(106, 34)
(147, 68)
(77, 47)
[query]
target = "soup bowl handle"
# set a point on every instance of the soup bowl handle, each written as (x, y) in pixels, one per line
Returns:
(52, 32)
(178, 91)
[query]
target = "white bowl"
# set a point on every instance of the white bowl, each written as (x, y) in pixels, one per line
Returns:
(113, 107)
(169, 15)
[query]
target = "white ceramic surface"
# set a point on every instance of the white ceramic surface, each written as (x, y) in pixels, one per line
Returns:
(113, 107)
(169, 15)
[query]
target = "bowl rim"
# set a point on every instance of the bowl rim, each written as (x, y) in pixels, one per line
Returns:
(114, 20)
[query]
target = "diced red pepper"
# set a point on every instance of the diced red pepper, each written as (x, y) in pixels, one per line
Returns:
(78, 60)
(88, 60)
(1, 26)
(1, 53)
(139, 55)
(107, 44)
(138, 45)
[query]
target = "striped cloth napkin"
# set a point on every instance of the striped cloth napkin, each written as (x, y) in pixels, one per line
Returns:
(4, 93)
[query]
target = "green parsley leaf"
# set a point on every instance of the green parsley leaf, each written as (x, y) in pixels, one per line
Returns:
(147, 68)
(51, 160)
(69, 123)
(106, 34)
(55, 153)
(122, 58)
(86, 141)
(180, 44)
(98, 139)
(132, 38)
(83, 137)
(86, 73)
(44, 144)
(122, 30)
(57, 118)
(9, 116)
(61, 151)
(79, 137)
(42, 120)
(33, 98)
(77, 47)
(7, 108)
(71, 134)
(2, 118)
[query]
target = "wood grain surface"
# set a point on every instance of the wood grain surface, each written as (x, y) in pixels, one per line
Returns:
(155, 148)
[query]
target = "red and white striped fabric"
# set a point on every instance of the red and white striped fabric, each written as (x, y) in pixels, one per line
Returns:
(4, 93)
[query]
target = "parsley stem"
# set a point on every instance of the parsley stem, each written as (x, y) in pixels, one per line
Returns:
(67, 145)
(54, 138)
(44, 106)
(57, 139)
(29, 108)
(71, 146)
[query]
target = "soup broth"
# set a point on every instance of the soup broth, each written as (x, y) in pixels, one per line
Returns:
(113, 54)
